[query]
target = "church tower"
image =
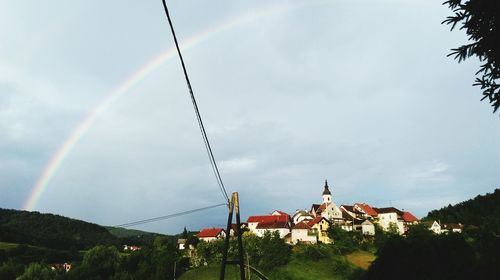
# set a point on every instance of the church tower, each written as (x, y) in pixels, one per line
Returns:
(327, 195)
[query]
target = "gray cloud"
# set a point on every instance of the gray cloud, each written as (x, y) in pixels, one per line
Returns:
(359, 93)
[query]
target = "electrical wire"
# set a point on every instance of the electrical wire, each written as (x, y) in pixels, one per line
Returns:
(140, 222)
(210, 153)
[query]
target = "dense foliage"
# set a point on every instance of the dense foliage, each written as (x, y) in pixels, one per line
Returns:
(52, 231)
(482, 211)
(424, 255)
(481, 21)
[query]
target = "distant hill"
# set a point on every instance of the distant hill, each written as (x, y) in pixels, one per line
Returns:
(51, 231)
(125, 232)
(483, 211)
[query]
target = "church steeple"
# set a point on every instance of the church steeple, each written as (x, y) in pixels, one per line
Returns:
(327, 195)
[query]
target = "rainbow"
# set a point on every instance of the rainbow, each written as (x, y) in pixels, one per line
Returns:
(90, 118)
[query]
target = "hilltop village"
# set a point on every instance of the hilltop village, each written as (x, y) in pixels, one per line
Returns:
(311, 226)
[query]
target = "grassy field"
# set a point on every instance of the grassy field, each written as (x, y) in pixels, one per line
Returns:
(361, 259)
(211, 272)
(305, 270)
(332, 268)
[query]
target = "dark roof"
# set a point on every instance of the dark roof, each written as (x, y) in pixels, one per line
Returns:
(345, 214)
(326, 191)
(315, 207)
(349, 208)
(389, 210)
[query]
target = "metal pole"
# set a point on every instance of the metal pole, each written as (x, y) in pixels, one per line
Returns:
(175, 266)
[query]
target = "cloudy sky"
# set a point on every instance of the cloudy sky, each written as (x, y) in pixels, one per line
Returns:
(291, 92)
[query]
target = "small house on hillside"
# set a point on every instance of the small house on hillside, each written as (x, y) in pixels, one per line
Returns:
(433, 226)
(388, 216)
(321, 225)
(211, 234)
(303, 233)
(268, 220)
(365, 226)
(365, 210)
(452, 227)
(282, 228)
(301, 215)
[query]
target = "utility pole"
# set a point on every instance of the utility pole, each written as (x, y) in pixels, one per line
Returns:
(234, 205)
(175, 268)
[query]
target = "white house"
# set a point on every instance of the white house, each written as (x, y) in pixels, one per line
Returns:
(303, 233)
(278, 217)
(211, 234)
(433, 226)
(390, 216)
(367, 227)
(283, 228)
(301, 215)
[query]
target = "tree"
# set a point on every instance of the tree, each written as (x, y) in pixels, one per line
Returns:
(184, 234)
(36, 271)
(481, 20)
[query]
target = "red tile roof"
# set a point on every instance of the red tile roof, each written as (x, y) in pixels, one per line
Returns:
(268, 219)
(281, 213)
(302, 225)
(210, 232)
(367, 209)
(272, 225)
(408, 217)
(315, 221)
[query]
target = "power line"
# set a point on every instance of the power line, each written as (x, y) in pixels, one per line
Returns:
(211, 157)
(140, 222)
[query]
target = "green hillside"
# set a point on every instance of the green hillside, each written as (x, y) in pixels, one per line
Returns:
(51, 231)
(483, 210)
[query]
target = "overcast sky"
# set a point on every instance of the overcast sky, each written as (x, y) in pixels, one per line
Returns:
(357, 92)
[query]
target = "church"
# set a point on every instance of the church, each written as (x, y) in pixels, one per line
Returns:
(328, 209)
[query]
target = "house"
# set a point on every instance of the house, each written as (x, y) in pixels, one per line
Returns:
(181, 243)
(254, 221)
(320, 225)
(303, 233)
(408, 220)
(211, 234)
(452, 227)
(58, 266)
(365, 210)
(390, 216)
(131, 248)
(433, 226)
(301, 215)
(282, 227)
(280, 213)
(365, 226)
(350, 212)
